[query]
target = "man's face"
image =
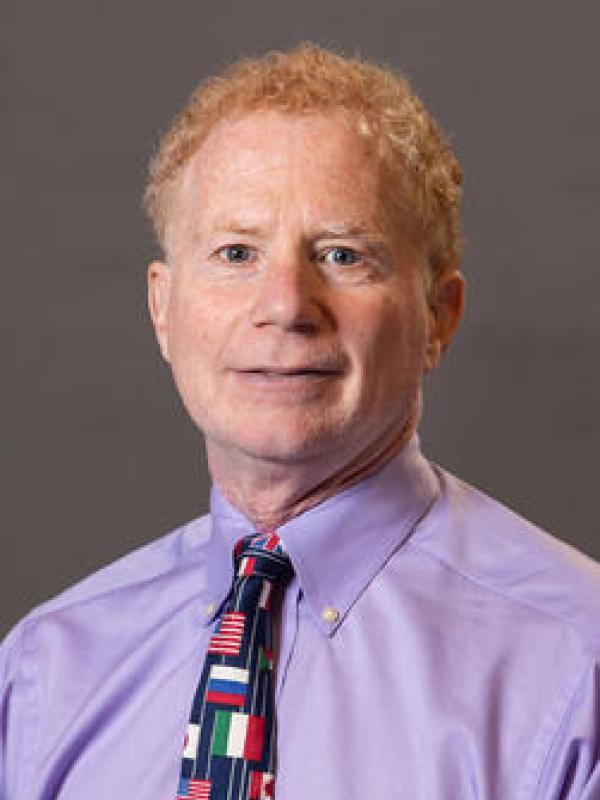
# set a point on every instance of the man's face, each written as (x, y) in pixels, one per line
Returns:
(293, 312)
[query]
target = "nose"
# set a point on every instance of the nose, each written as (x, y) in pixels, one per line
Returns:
(290, 294)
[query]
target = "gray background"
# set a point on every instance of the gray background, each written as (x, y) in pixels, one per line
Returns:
(99, 457)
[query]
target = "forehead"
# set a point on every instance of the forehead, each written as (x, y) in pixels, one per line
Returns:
(265, 161)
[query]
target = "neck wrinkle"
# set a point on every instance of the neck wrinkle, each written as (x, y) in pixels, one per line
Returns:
(364, 465)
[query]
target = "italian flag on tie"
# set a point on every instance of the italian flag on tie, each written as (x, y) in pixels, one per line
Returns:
(238, 735)
(265, 658)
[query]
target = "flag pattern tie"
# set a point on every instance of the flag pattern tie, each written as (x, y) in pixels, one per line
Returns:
(229, 745)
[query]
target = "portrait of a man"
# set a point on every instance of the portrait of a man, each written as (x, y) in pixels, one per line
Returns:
(349, 619)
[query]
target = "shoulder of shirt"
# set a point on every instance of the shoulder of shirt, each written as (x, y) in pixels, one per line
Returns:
(179, 550)
(483, 541)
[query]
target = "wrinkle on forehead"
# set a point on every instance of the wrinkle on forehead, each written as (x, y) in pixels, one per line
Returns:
(260, 163)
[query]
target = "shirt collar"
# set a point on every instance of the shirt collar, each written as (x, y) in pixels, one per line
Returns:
(337, 547)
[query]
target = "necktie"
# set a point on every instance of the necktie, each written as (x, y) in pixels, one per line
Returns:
(229, 746)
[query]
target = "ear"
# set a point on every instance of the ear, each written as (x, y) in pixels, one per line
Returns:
(159, 296)
(446, 302)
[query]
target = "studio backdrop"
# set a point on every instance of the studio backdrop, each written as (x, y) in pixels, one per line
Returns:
(99, 456)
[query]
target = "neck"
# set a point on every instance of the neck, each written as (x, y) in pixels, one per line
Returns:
(273, 493)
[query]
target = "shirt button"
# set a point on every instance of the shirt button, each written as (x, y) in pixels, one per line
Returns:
(331, 614)
(210, 609)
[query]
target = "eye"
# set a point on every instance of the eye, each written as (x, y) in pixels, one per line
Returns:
(235, 253)
(341, 256)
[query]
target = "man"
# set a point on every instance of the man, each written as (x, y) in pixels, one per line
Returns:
(428, 642)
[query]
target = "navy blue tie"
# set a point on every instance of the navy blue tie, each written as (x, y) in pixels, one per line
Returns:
(229, 748)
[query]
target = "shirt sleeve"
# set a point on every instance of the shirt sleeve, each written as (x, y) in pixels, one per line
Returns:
(572, 768)
(17, 714)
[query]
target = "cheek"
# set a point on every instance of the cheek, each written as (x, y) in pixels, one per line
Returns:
(390, 343)
(191, 346)
(202, 335)
(192, 326)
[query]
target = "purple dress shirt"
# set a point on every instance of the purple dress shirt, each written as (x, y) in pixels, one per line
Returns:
(434, 646)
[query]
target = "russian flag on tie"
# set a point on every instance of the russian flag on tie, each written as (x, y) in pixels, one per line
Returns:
(193, 789)
(237, 735)
(227, 685)
(261, 785)
(227, 638)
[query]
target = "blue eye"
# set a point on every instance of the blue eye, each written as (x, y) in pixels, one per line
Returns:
(236, 253)
(342, 256)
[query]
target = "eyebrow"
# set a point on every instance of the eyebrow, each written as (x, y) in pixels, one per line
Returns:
(329, 230)
(342, 229)
(372, 238)
(232, 226)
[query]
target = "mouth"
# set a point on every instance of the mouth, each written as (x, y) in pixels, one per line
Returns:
(304, 371)
(302, 383)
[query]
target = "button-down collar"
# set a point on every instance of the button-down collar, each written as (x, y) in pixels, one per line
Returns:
(337, 547)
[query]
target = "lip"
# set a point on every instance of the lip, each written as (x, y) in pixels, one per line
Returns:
(287, 384)
(307, 371)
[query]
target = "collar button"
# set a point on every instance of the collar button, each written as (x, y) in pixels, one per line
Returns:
(210, 609)
(330, 614)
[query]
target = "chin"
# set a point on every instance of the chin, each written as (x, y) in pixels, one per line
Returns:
(288, 450)
(279, 444)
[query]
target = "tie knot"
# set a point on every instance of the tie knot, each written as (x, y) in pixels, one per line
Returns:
(263, 556)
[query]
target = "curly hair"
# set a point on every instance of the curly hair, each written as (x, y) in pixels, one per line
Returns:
(423, 176)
